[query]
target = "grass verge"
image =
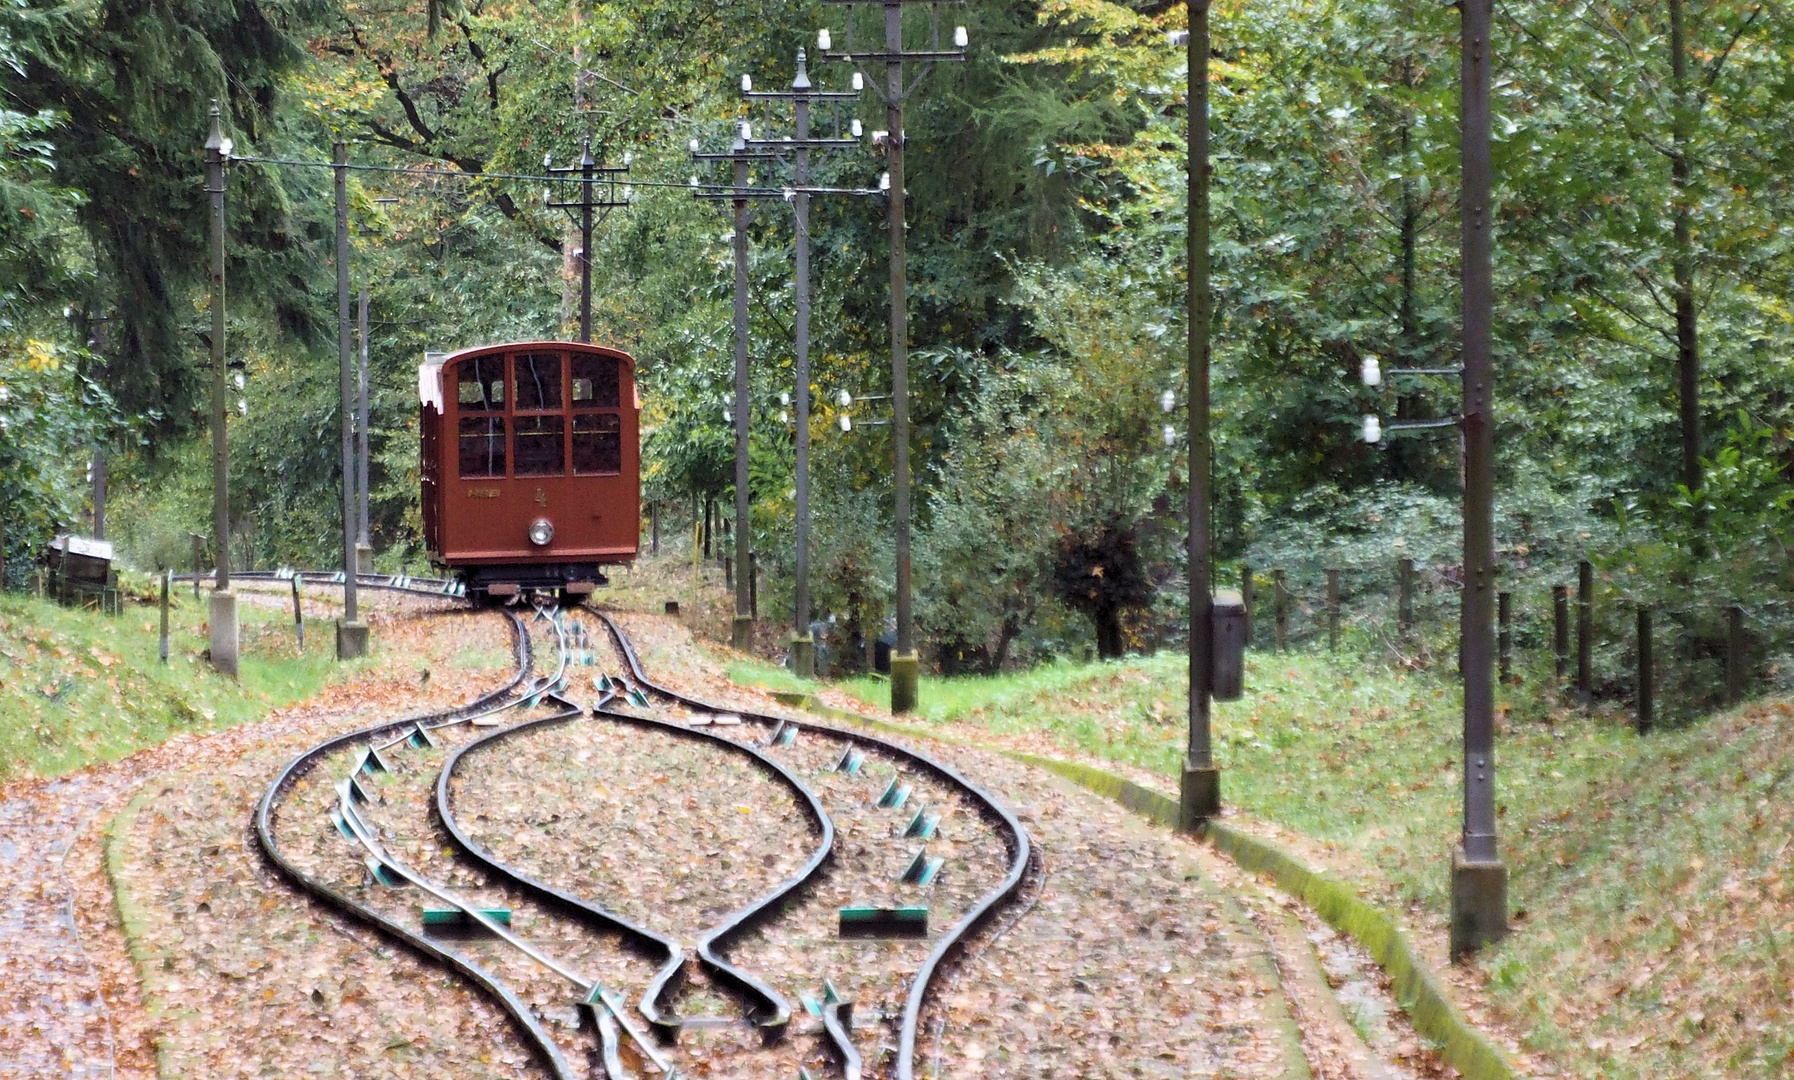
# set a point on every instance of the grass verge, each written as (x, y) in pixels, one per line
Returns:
(78, 687)
(1652, 897)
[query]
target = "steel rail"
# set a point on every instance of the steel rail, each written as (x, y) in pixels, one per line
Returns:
(774, 1013)
(954, 939)
(674, 954)
(504, 996)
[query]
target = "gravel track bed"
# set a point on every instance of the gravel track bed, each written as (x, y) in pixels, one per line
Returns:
(241, 975)
(1117, 961)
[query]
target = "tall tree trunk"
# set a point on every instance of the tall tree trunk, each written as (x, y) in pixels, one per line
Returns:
(1688, 359)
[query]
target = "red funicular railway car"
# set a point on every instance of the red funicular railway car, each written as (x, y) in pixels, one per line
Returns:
(531, 465)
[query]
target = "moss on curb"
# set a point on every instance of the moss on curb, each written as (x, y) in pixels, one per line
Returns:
(1418, 989)
(134, 923)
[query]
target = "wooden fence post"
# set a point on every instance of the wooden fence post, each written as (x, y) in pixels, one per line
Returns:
(1246, 598)
(1585, 632)
(1504, 640)
(1332, 610)
(1737, 658)
(1280, 608)
(1560, 633)
(1404, 580)
(1645, 673)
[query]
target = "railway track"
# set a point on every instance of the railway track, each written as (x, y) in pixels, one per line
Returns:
(487, 838)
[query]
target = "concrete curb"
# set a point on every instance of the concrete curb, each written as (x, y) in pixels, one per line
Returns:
(134, 923)
(1417, 988)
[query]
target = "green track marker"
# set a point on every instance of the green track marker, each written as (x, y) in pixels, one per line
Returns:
(829, 993)
(421, 738)
(368, 760)
(342, 825)
(810, 1004)
(851, 760)
(604, 684)
(639, 699)
(783, 735)
(884, 921)
(457, 919)
(383, 873)
(922, 826)
(351, 791)
(895, 795)
(922, 869)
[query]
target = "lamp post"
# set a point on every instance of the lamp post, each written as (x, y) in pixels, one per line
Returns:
(1478, 876)
(802, 95)
(351, 632)
(223, 604)
(892, 56)
(1199, 788)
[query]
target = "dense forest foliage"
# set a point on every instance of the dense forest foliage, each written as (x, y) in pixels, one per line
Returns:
(1644, 340)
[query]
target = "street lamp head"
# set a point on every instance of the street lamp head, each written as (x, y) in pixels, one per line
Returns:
(694, 181)
(747, 131)
(884, 181)
(856, 128)
(960, 38)
(1168, 400)
(1373, 430)
(846, 422)
(694, 145)
(844, 399)
(1170, 435)
(1371, 371)
(824, 41)
(785, 399)
(238, 379)
(547, 160)
(1177, 37)
(747, 84)
(859, 82)
(628, 158)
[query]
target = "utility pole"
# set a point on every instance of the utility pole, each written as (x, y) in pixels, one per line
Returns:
(1479, 878)
(802, 95)
(743, 631)
(351, 632)
(587, 173)
(904, 669)
(1199, 788)
(364, 549)
(223, 604)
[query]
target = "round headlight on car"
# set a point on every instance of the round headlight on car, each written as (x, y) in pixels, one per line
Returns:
(541, 531)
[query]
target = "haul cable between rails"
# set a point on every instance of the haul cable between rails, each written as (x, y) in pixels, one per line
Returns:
(954, 939)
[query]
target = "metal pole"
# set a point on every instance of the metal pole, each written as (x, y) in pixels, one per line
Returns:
(585, 243)
(1200, 786)
(803, 645)
(1585, 632)
(1646, 672)
(346, 635)
(903, 660)
(743, 636)
(223, 610)
(1479, 879)
(363, 548)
